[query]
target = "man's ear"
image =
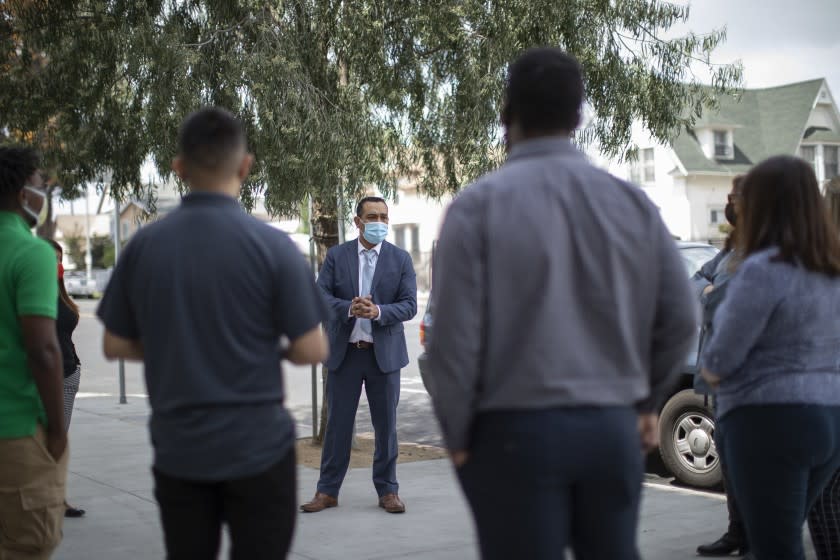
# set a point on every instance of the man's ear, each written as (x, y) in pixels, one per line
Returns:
(245, 166)
(179, 167)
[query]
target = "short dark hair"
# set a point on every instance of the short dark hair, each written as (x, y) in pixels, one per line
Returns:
(544, 91)
(361, 205)
(783, 208)
(17, 164)
(210, 137)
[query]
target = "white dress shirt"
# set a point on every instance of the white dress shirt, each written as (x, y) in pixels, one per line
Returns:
(358, 334)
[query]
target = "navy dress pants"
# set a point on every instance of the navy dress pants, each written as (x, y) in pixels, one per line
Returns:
(344, 387)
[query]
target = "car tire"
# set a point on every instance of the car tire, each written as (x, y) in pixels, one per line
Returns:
(686, 440)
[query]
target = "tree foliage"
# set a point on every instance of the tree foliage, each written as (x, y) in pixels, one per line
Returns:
(101, 251)
(75, 250)
(335, 94)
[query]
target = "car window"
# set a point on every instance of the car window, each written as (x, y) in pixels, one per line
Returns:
(695, 257)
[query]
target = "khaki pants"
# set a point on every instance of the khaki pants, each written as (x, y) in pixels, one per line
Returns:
(32, 486)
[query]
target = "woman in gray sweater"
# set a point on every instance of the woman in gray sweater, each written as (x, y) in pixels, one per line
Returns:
(774, 356)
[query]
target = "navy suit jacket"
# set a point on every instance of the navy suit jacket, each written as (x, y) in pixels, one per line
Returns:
(394, 290)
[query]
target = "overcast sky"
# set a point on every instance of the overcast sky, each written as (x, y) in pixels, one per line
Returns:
(778, 41)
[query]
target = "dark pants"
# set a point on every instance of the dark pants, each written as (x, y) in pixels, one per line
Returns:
(736, 528)
(824, 521)
(736, 523)
(259, 511)
(344, 387)
(541, 480)
(779, 458)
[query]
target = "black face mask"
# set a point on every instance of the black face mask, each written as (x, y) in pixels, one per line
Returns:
(729, 212)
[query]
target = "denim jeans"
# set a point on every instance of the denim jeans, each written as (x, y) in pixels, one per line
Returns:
(778, 459)
(539, 481)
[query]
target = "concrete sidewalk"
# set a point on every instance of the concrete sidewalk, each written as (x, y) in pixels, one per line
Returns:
(110, 478)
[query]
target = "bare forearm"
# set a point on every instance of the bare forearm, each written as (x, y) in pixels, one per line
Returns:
(46, 367)
(134, 352)
(115, 347)
(311, 348)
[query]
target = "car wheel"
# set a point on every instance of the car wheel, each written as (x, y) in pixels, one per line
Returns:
(686, 440)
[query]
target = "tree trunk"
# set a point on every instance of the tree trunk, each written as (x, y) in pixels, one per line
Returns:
(324, 224)
(47, 229)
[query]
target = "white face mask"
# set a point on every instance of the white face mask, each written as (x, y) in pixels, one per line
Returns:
(37, 218)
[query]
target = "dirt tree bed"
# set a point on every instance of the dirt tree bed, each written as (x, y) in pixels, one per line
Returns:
(309, 454)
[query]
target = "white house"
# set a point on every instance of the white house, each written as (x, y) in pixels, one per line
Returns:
(690, 177)
(415, 221)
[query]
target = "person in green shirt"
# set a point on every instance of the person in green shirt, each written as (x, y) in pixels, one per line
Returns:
(33, 443)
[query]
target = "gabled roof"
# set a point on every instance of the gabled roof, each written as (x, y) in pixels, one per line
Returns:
(768, 121)
(126, 207)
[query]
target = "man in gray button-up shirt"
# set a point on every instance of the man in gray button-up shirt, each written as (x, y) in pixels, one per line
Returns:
(562, 311)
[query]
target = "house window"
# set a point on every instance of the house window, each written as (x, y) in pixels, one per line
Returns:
(830, 162)
(809, 154)
(649, 169)
(643, 169)
(415, 240)
(399, 236)
(407, 237)
(717, 216)
(723, 145)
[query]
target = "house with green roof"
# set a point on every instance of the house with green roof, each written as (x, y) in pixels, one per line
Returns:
(690, 177)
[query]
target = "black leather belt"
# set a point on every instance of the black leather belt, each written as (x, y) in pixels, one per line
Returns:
(362, 345)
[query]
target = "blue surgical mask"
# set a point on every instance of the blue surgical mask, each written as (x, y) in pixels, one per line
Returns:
(375, 232)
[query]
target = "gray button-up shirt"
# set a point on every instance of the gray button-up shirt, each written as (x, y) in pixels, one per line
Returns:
(556, 284)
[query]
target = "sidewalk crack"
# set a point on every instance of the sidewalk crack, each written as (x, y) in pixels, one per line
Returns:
(111, 486)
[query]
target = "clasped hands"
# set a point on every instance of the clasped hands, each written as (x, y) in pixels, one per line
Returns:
(364, 308)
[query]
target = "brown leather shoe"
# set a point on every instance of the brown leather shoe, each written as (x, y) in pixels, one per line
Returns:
(392, 503)
(320, 502)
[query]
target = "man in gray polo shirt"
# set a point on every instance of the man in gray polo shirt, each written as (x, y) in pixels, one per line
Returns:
(203, 298)
(561, 312)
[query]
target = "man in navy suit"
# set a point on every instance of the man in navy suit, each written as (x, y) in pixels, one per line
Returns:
(371, 288)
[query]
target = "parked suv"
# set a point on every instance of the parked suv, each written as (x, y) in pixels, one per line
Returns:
(686, 421)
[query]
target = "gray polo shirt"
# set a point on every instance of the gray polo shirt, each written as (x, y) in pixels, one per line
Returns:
(209, 291)
(556, 285)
